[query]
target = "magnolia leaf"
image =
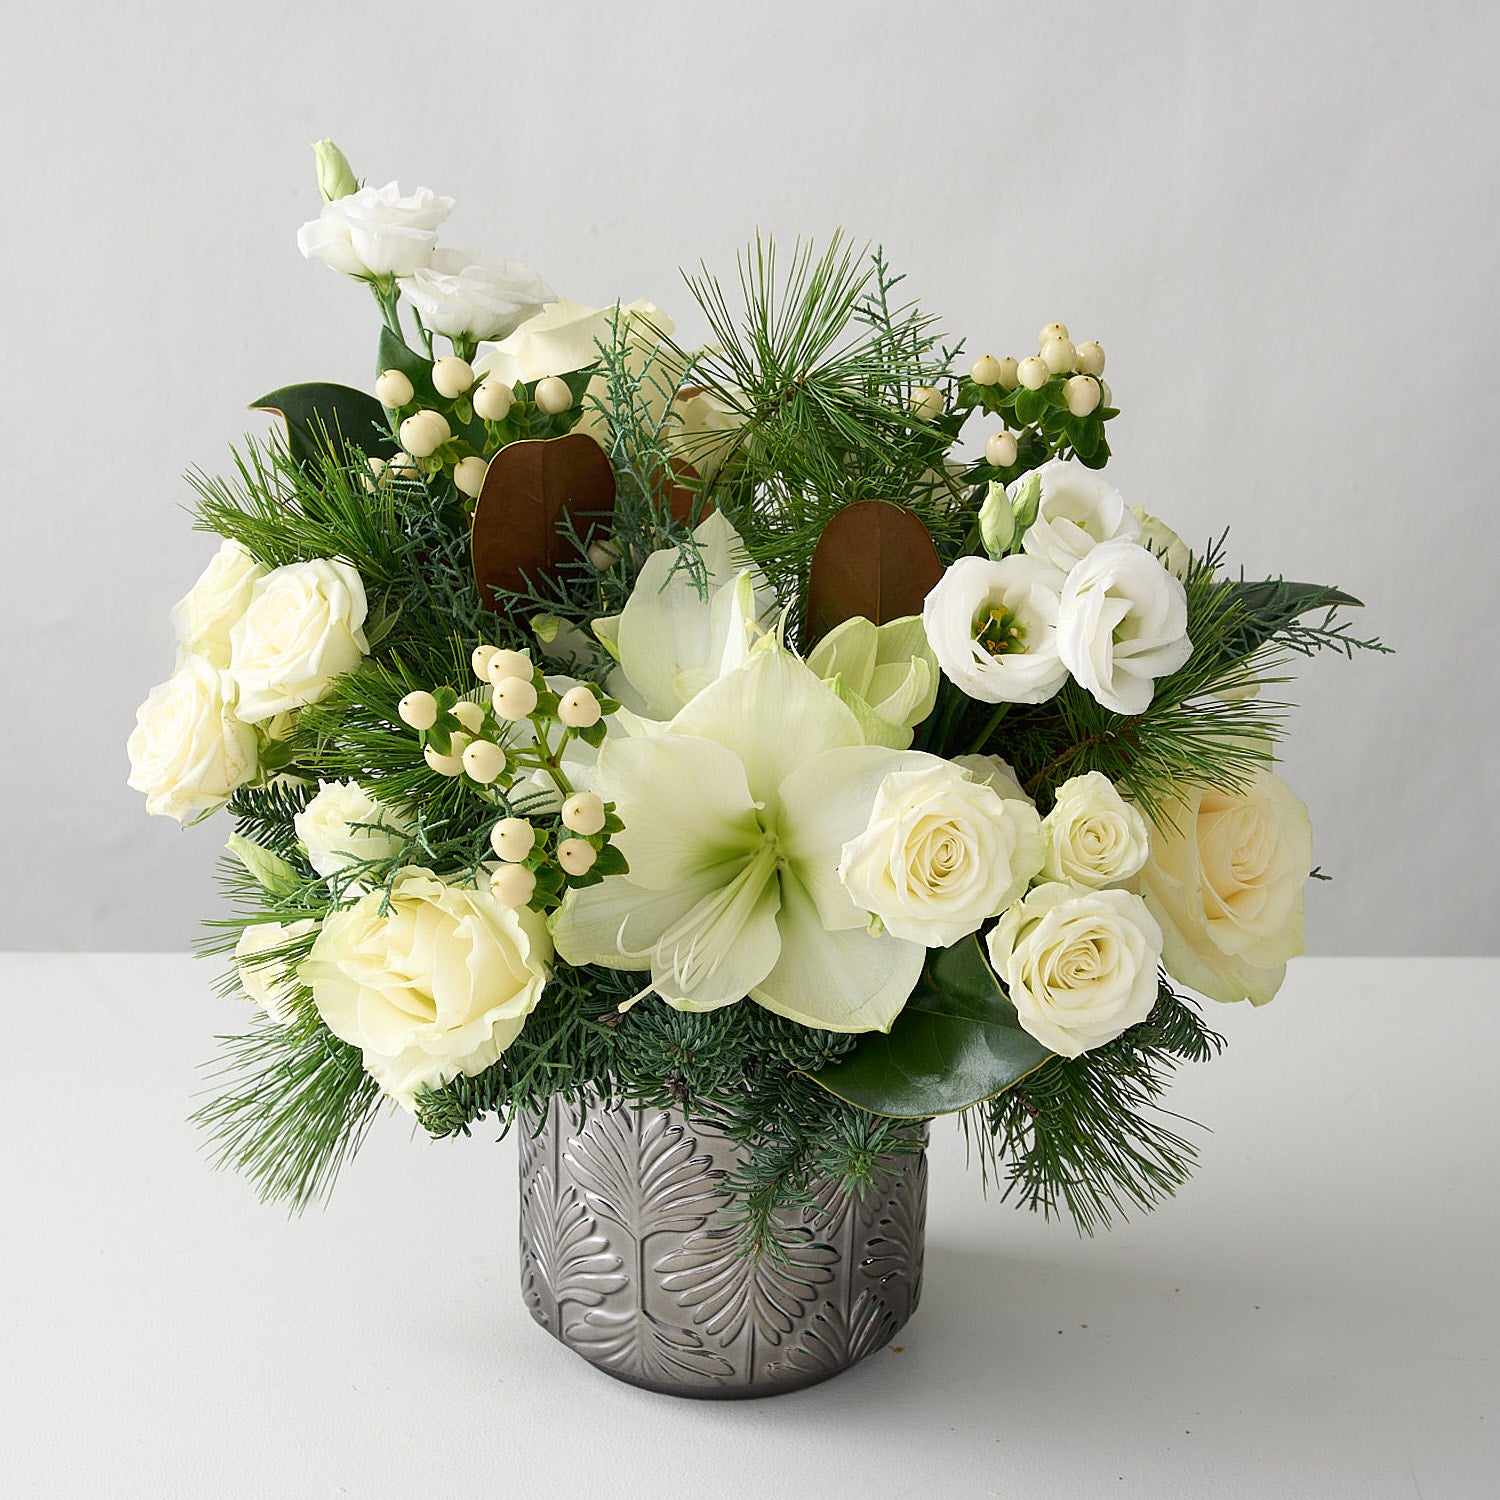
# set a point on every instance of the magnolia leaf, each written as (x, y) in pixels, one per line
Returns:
(873, 559)
(530, 489)
(958, 1041)
(1273, 604)
(322, 419)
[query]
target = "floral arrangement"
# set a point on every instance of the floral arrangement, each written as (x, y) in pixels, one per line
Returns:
(698, 726)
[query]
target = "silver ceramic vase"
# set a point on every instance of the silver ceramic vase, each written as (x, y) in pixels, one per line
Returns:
(627, 1258)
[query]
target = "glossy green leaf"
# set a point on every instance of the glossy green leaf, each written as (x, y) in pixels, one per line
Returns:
(958, 1041)
(1271, 605)
(321, 417)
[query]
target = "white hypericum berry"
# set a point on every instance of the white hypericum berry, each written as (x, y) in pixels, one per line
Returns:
(985, 370)
(480, 659)
(1059, 355)
(404, 466)
(418, 709)
(1090, 359)
(514, 698)
(1008, 378)
(424, 432)
(576, 856)
(394, 390)
(484, 760)
(468, 475)
(506, 664)
(444, 765)
(513, 885)
(1000, 449)
(1082, 393)
(470, 715)
(1033, 373)
(1051, 331)
(583, 813)
(926, 403)
(553, 395)
(512, 839)
(375, 465)
(452, 376)
(603, 555)
(579, 708)
(493, 401)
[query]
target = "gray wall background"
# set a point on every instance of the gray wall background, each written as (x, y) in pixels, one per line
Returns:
(1279, 219)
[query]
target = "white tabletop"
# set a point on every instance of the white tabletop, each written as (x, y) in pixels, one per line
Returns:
(1316, 1313)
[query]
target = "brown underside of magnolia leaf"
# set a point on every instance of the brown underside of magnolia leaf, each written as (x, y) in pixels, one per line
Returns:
(874, 559)
(529, 489)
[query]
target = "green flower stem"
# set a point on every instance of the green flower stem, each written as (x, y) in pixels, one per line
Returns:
(990, 725)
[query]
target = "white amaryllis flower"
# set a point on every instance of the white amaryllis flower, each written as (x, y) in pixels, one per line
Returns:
(678, 632)
(1159, 538)
(1079, 966)
(735, 819)
(376, 232)
(462, 294)
(1094, 836)
(1076, 510)
(1122, 623)
(205, 615)
(344, 825)
(941, 854)
(993, 627)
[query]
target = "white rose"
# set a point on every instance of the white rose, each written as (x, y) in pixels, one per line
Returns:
(1225, 879)
(1079, 966)
(1094, 836)
(260, 958)
(429, 980)
(204, 616)
(376, 232)
(702, 430)
(1159, 538)
(189, 750)
(303, 628)
(994, 771)
(1076, 510)
(344, 825)
(993, 628)
(1122, 623)
(464, 295)
(941, 855)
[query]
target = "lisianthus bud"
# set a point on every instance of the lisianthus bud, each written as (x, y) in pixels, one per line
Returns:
(583, 813)
(985, 370)
(997, 520)
(576, 856)
(468, 475)
(1051, 331)
(512, 839)
(513, 885)
(1082, 393)
(335, 176)
(418, 709)
(1000, 449)
(394, 390)
(926, 403)
(1059, 355)
(553, 395)
(1090, 359)
(452, 376)
(484, 760)
(1008, 379)
(424, 432)
(514, 698)
(1033, 373)
(493, 401)
(579, 708)
(505, 664)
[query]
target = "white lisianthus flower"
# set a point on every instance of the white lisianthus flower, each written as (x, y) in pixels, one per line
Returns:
(189, 750)
(1226, 879)
(1122, 623)
(736, 815)
(1161, 541)
(376, 232)
(670, 640)
(205, 615)
(344, 825)
(461, 294)
(993, 627)
(304, 626)
(941, 854)
(263, 974)
(1094, 836)
(1079, 966)
(997, 772)
(886, 673)
(1076, 510)
(430, 980)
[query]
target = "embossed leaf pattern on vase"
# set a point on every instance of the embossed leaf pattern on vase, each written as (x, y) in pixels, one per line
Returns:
(565, 1258)
(833, 1339)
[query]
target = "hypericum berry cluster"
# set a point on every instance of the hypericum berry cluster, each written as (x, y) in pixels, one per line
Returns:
(508, 745)
(1055, 401)
(445, 423)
